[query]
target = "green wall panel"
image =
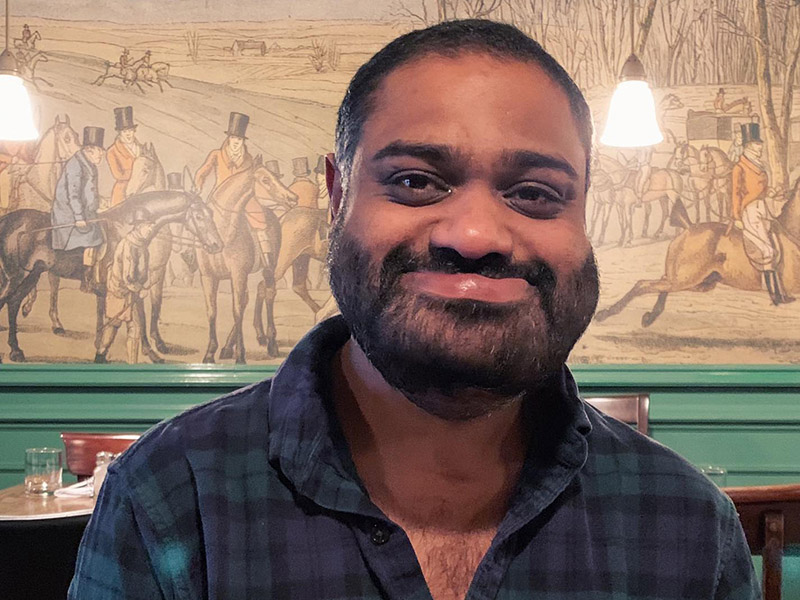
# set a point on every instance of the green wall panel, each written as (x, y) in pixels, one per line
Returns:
(745, 418)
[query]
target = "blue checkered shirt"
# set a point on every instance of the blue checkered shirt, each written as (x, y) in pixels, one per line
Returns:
(254, 495)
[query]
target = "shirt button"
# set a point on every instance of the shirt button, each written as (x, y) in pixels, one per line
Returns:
(380, 534)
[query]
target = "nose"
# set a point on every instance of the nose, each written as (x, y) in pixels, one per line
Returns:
(474, 223)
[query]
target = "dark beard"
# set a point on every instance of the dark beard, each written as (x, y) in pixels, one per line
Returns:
(459, 358)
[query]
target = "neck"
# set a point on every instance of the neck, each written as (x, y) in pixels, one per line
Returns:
(414, 464)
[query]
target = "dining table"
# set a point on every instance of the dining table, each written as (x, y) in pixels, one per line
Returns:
(39, 539)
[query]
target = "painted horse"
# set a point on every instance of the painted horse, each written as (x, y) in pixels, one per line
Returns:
(26, 249)
(242, 255)
(706, 254)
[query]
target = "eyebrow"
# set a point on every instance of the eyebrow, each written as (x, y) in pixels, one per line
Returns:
(527, 159)
(432, 153)
(440, 153)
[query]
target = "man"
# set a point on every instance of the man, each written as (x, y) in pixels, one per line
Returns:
(736, 150)
(123, 152)
(230, 159)
(26, 35)
(127, 284)
(751, 213)
(322, 186)
(429, 442)
(12, 154)
(302, 185)
(74, 211)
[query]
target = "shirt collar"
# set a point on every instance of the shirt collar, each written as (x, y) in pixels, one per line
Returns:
(308, 446)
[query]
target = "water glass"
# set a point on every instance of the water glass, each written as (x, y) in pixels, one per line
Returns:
(716, 474)
(43, 469)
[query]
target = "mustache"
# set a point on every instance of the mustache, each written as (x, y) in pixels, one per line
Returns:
(402, 259)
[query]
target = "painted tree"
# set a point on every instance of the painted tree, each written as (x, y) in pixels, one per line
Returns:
(777, 54)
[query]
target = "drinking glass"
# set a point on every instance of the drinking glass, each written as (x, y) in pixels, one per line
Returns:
(43, 468)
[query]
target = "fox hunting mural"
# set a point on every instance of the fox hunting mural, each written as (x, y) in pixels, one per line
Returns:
(174, 207)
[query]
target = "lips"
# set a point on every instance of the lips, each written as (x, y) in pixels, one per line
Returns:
(467, 286)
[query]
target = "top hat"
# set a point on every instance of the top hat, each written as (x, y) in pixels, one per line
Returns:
(123, 117)
(148, 53)
(237, 124)
(273, 167)
(751, 132)
(300, 167)
(320, 168)
(175, 181)
(93, 136)
(126, 51)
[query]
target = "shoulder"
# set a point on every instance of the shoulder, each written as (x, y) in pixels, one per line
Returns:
(172, 455)
(642, 467)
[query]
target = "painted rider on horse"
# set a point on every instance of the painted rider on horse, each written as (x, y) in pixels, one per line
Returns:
(123, 152)
(752, 212)
(232, 158)
(74, 211)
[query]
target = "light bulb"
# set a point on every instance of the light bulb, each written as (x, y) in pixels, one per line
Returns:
(16, 113)
(631, 121)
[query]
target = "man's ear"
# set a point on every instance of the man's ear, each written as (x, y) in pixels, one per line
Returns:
(333, 179)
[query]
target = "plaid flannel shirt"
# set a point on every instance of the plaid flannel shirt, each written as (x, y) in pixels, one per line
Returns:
(254, 495)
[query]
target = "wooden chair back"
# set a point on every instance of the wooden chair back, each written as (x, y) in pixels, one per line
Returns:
(632, 409)
(82, 448)
(770, 516)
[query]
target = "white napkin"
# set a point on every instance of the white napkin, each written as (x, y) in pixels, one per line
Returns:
(80, 489)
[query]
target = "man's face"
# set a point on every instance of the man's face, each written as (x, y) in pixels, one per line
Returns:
(127, 135)
(95, 154)
(460, 259)
(235, 143)
(756, 148)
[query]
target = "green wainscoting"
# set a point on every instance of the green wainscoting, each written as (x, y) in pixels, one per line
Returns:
(744, 418)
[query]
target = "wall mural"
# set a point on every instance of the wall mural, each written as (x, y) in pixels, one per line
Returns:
(110, 257)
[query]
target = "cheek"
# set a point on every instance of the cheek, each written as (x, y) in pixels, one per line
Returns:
(562, 244)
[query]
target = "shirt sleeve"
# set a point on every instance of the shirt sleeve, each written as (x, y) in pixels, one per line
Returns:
(737, 579)
(114, 560)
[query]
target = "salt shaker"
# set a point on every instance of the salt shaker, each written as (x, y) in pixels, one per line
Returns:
(102, 460)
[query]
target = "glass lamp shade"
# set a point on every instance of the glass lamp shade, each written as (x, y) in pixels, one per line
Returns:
(631, 121)
(16, 113)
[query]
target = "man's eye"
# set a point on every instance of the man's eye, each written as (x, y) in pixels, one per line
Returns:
(535, 200)
(416, 188)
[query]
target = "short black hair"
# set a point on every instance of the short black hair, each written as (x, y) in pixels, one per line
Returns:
(450, 38)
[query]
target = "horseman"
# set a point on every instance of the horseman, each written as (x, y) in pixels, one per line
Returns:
(145, 60)
(232, 158)
(273, 167)
(76, 202)
(322, 186)
(736, 150)
(123, 152)
(11, 153)
(125, 62)
(26, 35)
(751, 212)
(306, 189)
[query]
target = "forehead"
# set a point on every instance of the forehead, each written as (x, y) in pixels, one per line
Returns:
(477, 103)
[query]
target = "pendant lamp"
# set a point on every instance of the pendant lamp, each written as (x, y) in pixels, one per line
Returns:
(16, 112)
(631, 121)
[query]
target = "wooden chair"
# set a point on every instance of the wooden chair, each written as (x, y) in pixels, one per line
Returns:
(770, 517)
(633, 409)
(82, 449)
